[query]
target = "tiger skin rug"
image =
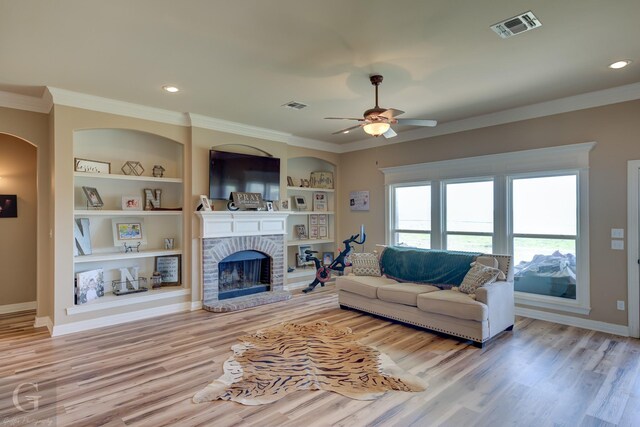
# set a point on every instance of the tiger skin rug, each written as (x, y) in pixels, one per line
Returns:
(274, 362)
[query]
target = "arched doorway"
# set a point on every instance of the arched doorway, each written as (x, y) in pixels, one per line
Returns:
(18, 224)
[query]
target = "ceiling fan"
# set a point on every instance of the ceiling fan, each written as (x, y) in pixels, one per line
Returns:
(377, 121)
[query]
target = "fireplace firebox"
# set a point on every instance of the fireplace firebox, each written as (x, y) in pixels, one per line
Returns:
(243, 273)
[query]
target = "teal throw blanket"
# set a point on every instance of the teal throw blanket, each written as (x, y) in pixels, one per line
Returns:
(426, 265)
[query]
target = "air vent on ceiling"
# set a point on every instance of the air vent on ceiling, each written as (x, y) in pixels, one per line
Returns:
(295, 105)
(516, 25)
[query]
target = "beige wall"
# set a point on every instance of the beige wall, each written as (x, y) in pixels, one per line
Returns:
(34, 128)
(615, 128)
(18, 249)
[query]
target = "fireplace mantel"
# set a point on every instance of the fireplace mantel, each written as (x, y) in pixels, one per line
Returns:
(242, 223)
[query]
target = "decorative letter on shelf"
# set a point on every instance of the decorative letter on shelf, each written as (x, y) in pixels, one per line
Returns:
(152, 198)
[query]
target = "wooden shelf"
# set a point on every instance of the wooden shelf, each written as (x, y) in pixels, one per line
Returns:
(311, 213)
(125, 177)
(111, 301)
(121, 255)
(89, 212)
(309, 242)
(326, 190)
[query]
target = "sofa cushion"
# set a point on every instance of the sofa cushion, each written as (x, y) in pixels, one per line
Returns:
(367, 286)
(454, 304)
(365, 264)
(478, 275)
(404, 293)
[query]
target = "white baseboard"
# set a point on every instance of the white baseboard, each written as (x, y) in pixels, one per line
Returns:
(609, 328)
(196, 305)
(44, 321)
(117, 319)
(15, 308)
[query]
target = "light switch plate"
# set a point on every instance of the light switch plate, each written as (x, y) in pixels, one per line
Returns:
(617, 245)
(617, 233)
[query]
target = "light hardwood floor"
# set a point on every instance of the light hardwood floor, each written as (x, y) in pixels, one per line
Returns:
(145, 373)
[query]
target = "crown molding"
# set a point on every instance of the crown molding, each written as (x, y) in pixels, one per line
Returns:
(557, 106)
(26, 103)
(220, 125)
(112, 106)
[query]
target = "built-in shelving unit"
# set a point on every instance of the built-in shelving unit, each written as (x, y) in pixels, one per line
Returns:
(117, 146)
(301, 168)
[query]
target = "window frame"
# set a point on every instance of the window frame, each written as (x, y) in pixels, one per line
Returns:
(391, 212)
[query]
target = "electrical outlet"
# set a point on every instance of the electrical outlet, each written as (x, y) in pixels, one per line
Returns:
(620, 305)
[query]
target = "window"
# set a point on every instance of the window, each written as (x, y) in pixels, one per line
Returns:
(532, 204)
(411, 215)
(469, 216)
(544, 238)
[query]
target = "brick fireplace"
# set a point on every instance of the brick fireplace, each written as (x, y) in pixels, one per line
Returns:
(234, 242)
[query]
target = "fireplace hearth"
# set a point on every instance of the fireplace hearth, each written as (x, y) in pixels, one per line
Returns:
(243, 273)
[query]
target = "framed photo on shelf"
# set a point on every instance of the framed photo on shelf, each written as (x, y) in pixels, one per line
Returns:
(300, 202)
(301, 231)
(205, 203)
(320, 202)
(91, 166)
(93, 197)
(131, 203)
(323, 232)
(129, 231)
(327, 258)
(89, 286)
(322, 219)
(301, 256)
(282, 205)
(313, 219)
(313, 232)
(169, 267)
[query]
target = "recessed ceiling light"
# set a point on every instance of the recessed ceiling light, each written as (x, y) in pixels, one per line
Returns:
(171, 89)
(620, 64)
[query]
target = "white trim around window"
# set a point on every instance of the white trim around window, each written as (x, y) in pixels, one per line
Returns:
(562, 160)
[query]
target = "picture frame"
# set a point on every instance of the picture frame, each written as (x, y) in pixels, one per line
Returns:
(91, 166)
(8, 205)
(313, 219)
(327, 258)
(323, 219)
(323, 232)
(93, 197)
(283, 205)
(301, 231)
(290, 181)
(89, 286)
(205, 203)
(321, 179)
(320, 202)
(359, 200)
(300, 202)
(170, 269)
(131, 203)
(313, 232)
(129, 231)
(247, 201)
(269, 206)
(300, 256)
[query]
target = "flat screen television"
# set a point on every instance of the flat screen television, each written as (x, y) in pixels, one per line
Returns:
(230, 172)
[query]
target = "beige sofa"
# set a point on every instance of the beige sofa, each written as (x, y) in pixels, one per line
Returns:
(448, 311)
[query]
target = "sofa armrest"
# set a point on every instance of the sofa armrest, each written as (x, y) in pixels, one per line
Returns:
(499, 298)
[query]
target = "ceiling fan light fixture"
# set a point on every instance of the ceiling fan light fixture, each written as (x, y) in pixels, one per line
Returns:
(376, 128)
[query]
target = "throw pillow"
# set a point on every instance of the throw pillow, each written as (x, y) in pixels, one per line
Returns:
(478, 275)
(490, 261)
(365, 264)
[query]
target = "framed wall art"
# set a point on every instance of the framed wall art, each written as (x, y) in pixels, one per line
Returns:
(359, 200)
(300, 202)
(322, 179)
(8, 206)
(320, 202)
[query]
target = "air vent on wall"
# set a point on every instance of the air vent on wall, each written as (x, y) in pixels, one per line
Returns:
(295, 105)
(516, 25)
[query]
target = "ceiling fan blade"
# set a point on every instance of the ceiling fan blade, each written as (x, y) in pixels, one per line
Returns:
(417, 122)
(391, 113)
(389, 134)
(346, 130)
(344, 118)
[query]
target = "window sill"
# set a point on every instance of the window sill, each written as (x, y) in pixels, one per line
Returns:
(553, 303)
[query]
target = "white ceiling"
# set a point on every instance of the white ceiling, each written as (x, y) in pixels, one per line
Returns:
(240, 60)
